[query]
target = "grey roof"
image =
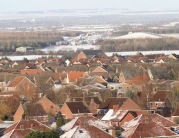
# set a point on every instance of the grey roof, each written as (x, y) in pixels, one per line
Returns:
(69, 55)
(91, 53)
(130, 73)
(160, 73)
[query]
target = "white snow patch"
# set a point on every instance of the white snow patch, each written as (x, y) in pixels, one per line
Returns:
(69, 125)
(70, 133)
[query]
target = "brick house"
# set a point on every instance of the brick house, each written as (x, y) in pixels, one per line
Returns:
(71, 110)
(134, 76)
(78, 57)
(72, 77)
(92, 102)
(31, 111)
(20, 83)
(116, 117)
(48, 106)
(99, 71)
(123, 103)
(159, 99)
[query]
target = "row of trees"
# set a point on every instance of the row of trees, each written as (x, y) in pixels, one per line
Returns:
(139, 44)
(9, 41)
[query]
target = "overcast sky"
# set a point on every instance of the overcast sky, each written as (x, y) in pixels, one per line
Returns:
(41, 5)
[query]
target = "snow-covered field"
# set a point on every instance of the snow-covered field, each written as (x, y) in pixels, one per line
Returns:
(138, 35)
(29, 57)
(70, 48)
(166, 52)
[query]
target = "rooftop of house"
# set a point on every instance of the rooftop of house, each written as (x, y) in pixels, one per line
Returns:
(123, 103)
(78, 107)
(91, 120)
(160, 96)
(31, 71)
(73, 76)
(148, 129)
(89, 131)
(16, 81)
(160, 73)
(88, 99)
(27, 125)
(130, 73)
(34, 109)
(150, 118)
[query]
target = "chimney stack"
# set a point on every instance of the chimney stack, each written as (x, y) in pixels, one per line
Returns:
(92, 100)
(115, 108)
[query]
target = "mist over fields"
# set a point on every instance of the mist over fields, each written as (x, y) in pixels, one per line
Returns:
(86, 17)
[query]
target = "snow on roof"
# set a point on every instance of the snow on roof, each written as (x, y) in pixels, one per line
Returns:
(91, 121)
(69, 125)
(108, 115)
(99, 124)
(132, 123)
(114, 115)
(81, 133)
(139, 35)
(70, 133)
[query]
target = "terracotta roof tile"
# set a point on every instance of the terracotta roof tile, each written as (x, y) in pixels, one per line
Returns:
(73, 76)
(16, 81)
(32, 124)
(31, 71)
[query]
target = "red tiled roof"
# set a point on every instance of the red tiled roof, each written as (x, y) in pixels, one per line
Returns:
(31, 71)
(27, 124)
(148, 129)
(160, 96)
(73, 76)
(160, 120)
(16, 81)
(88, 131)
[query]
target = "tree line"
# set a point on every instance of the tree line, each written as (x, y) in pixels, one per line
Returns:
(9, 41)
(147, 44)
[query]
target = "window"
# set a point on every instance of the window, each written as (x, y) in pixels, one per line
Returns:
(44, 118)
(31, 126)
(21, 127)
(116, 123)
(105, 111)
(156, 104)
(120, 88)
(112, 88)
